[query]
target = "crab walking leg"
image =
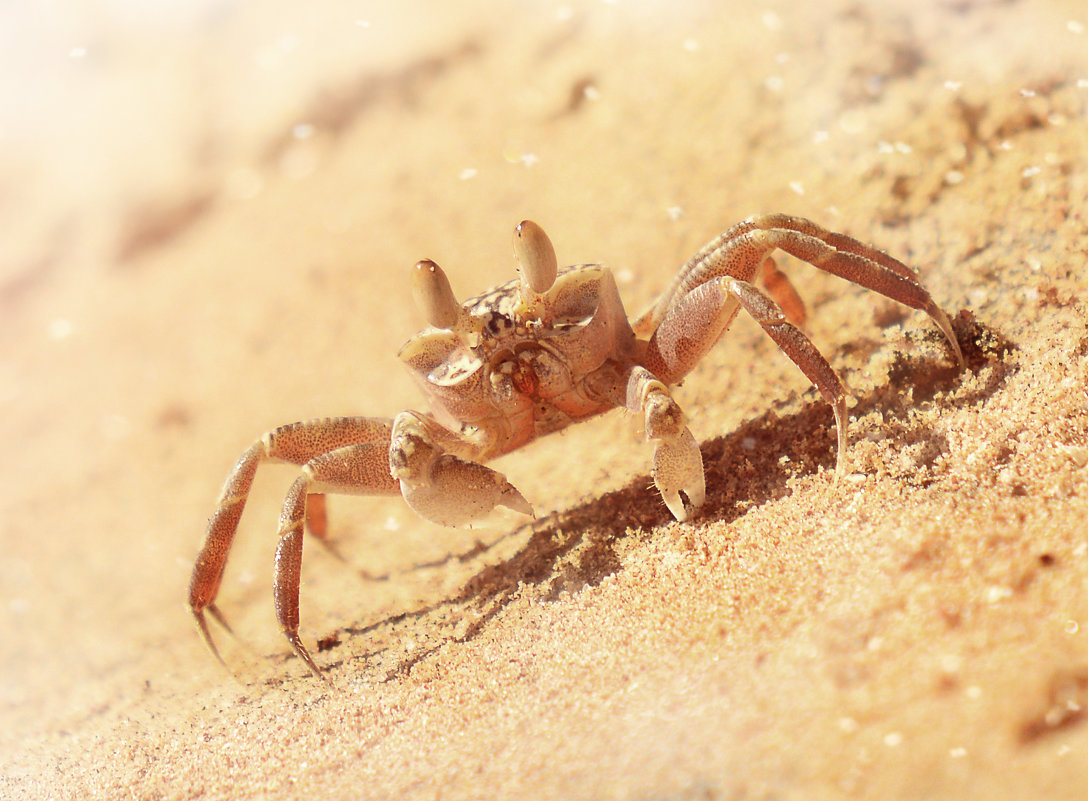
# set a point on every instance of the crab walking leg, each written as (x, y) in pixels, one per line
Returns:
(694, 324)
(900, 285)
(678, 465)
(741, 250)
(441, 486)
(689, 330)
(800, 225)
(784, 293)
(708, 262)
(361, 469)
(801, 352)
(296, 443)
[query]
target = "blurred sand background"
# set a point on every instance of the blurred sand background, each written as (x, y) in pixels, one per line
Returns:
(208, 213)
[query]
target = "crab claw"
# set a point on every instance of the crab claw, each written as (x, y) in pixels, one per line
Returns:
(678, 464)
(678, 467)
(457, 491)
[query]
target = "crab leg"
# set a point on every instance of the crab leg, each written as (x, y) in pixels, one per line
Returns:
(741, 250)
(784, 294)
(361, 469)
(296, 443)
(801, 352)
(693, 325)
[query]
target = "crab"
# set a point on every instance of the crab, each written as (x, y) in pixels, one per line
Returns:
(532, 356)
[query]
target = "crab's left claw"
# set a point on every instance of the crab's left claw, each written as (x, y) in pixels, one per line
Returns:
(678, 464)
(678, 467)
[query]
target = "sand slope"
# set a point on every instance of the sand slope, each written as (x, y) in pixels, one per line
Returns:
(209, 214)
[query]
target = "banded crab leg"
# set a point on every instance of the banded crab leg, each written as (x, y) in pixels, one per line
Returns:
(690, 329)
(740, 251)
(695, 322)
(296, 443)
(359, 469)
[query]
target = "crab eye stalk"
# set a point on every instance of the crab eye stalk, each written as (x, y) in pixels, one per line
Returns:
(433, 295)
(535, 257)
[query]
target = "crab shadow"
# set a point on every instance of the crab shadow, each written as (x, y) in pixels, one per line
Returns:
(578, 547)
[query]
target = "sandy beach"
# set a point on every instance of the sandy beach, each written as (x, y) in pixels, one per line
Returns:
(210, 214)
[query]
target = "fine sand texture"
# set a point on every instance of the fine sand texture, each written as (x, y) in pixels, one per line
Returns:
(210, 211)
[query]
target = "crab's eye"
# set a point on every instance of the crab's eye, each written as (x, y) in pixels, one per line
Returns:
(535, 256)
(433, 295)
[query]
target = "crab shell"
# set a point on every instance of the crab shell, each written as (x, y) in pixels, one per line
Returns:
(523, 372)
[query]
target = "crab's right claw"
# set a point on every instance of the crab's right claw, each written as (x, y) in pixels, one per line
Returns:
(678, 467)
(440, 486)
(456, 491)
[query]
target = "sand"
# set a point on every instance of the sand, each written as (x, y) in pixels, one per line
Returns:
(210, 212)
